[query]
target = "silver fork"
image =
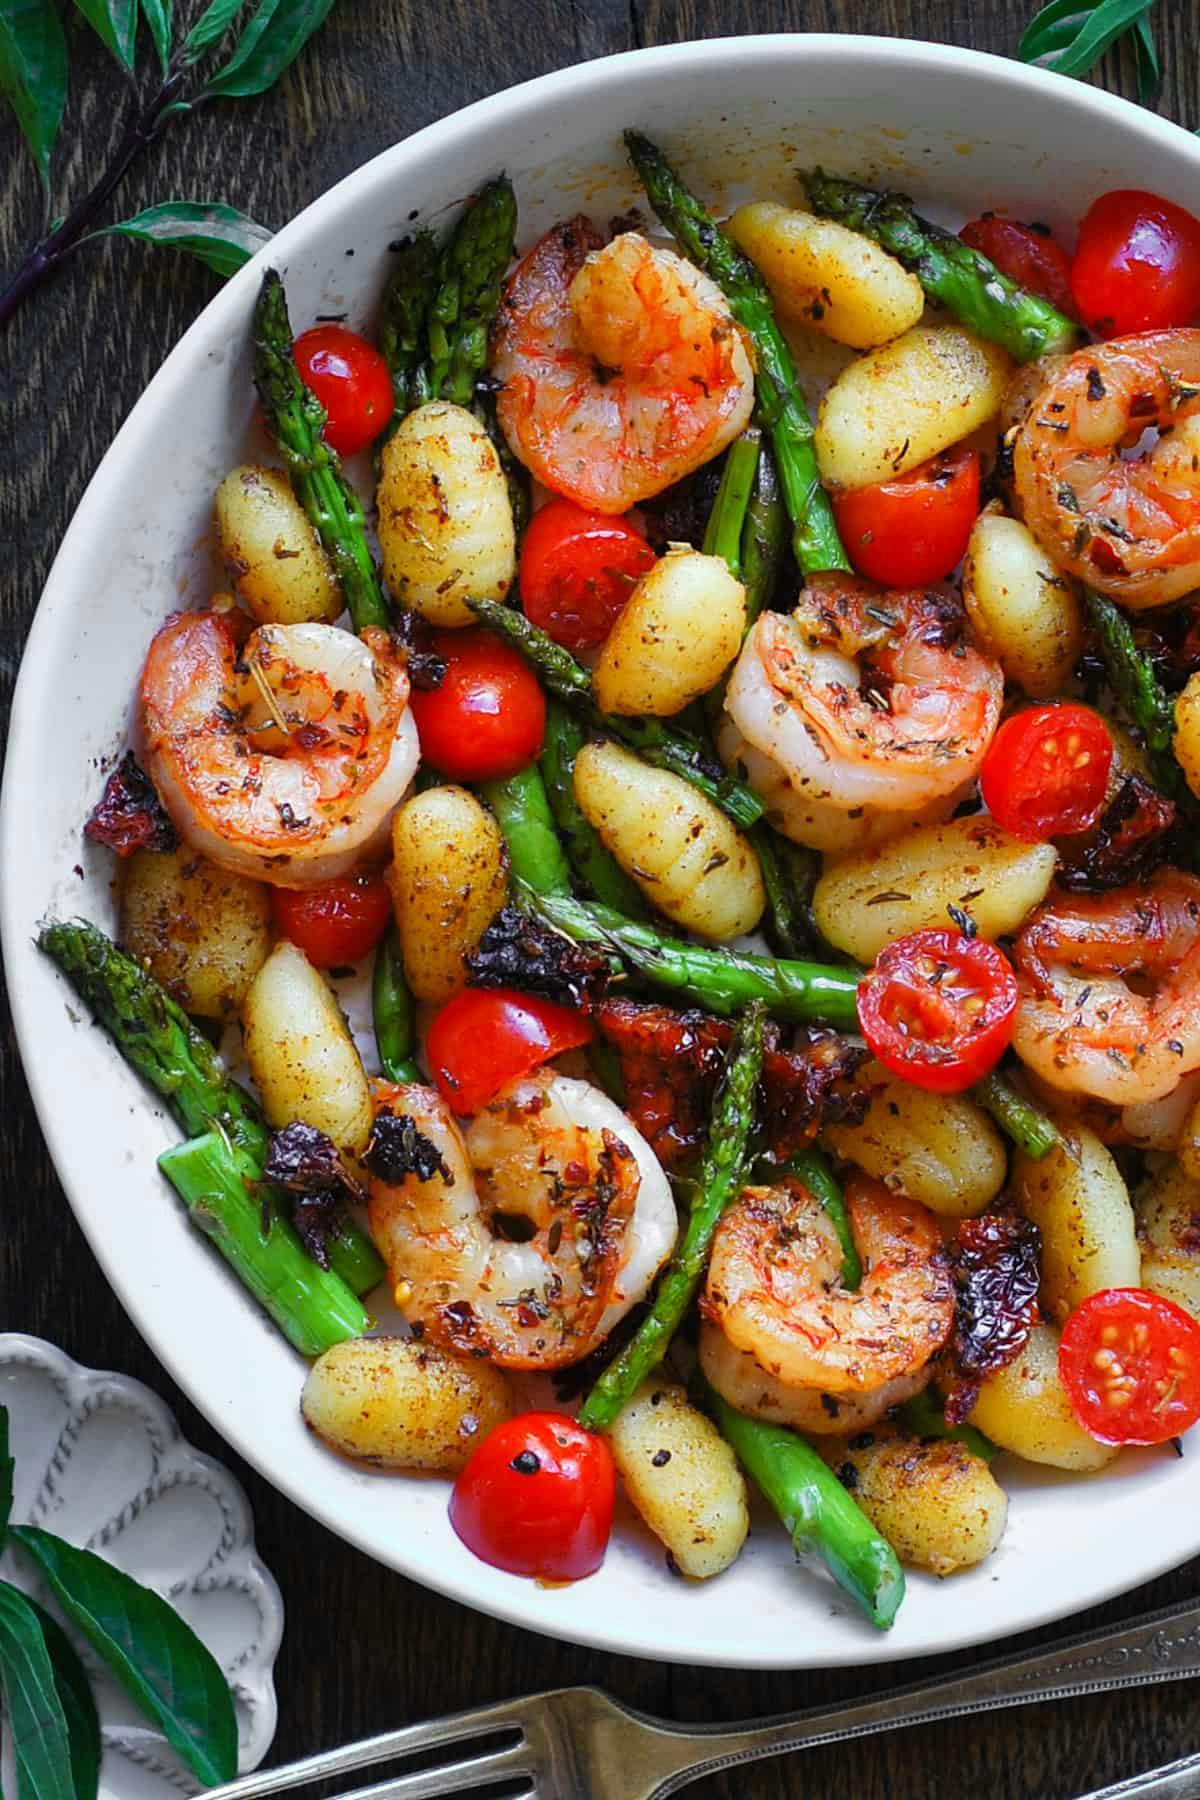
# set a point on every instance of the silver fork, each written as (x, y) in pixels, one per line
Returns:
(577, 1744)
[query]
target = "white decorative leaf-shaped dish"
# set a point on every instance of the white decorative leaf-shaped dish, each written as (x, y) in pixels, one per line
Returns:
(100, 1461)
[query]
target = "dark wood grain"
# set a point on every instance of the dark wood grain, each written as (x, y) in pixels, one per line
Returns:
(363, 1648)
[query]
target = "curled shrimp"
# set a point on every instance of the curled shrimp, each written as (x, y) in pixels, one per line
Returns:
(775, 1288)
(282, 756)
(548, 1219)
(1109, 990)
(1128, 524)
(741, 1379)
(863, 712)
(622, 369)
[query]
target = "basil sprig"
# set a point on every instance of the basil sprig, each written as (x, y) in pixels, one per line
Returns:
(1070, 36)
(162, 1665)
(229, 50)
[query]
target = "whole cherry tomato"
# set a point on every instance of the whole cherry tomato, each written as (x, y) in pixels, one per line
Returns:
(1130, 1362)
(536, 1498)
(937, 1008)
(336, 923)
(577, 571)
(1046, 771)
(485, 1038)
(487, 718)
(1027, 254)
(1137, 264)
(914, 529)
(350, 379)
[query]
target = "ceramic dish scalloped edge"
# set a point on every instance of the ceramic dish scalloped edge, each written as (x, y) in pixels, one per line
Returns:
(100, 1461)
(962, 131)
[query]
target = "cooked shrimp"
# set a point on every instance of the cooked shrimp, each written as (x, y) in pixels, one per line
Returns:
(282, 756)
(775, 1288)
(864, 712)
(741, 1379)
(548, 1220)
(1110, 990)
(1129, 524)
(622, 368)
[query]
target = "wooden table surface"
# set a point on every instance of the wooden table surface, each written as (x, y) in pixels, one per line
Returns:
(364, 1649)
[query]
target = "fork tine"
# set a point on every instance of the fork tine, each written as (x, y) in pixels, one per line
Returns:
(408, 1740)
(451, 1778)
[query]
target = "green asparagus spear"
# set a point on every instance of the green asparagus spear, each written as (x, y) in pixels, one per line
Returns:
(599, 873)
(402, 317)
(312, 1307)
(726, 521)
(781, 404)
(722, 981)
(466, 295)
(662, 745)
(392, 1011)
(162, 1044)
(814, 1171)
(721, 1176)
(817, 1513)
(925, 1418)
(786, 923)
(1025, 1123)
(523, 813)
(962, 280)
(764, 537)
(296, 419)
(1138, 690)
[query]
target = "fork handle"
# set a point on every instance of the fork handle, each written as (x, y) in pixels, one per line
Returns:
(1160, 1646)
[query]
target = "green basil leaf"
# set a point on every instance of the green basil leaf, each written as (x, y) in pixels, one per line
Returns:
(1071, 38)
(41, 1743)
(210, 28)
(1145, 55)
(33, 74)
(79, 1708)
(219, 236)
(7, 1467)
(272, 40)
(157, 14)
(115, 24)
(157, 1658)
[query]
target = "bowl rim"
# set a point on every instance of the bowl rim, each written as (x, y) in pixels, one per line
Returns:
(227, 307)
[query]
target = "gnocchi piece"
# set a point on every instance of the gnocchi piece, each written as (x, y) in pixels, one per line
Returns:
(1024, 612)
(1167, 1209)
(445, 521)
(939, 1149)
(832, 278)
(898, 406)
(398, 1404)
(448, 882)
(1187, 732)
(682, 1477)
(677, 634)
(274, 557)
(939, 1506)
(869, 899)
(302, 1057)
(200, 930)
(1078, 1201)
(685, 855)
(1024, 1408)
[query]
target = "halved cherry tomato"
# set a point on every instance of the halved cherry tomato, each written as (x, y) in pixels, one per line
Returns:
(1046, 771)
(536, 1498)
(1130, 1362)
(914, 529)
(1137, 264)
(336, 923)
(486, 1037)
(350, 379)
(577, 571)
(937, 1008)
(488, 717)
(1027, 254)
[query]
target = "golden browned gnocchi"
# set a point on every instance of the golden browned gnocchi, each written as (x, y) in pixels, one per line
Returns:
(1023, 611)
(300, 1051)
(202, 931)
(938, 1505)
(1077, 1199)
(677, 634)
(939, 1149)
(398, 1404)
(274, 557)
(682, 1477)
(448, 880)
(830, 277)
(1024, 1408)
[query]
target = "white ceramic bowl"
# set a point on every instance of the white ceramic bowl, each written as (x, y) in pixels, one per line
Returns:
(962, 132)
